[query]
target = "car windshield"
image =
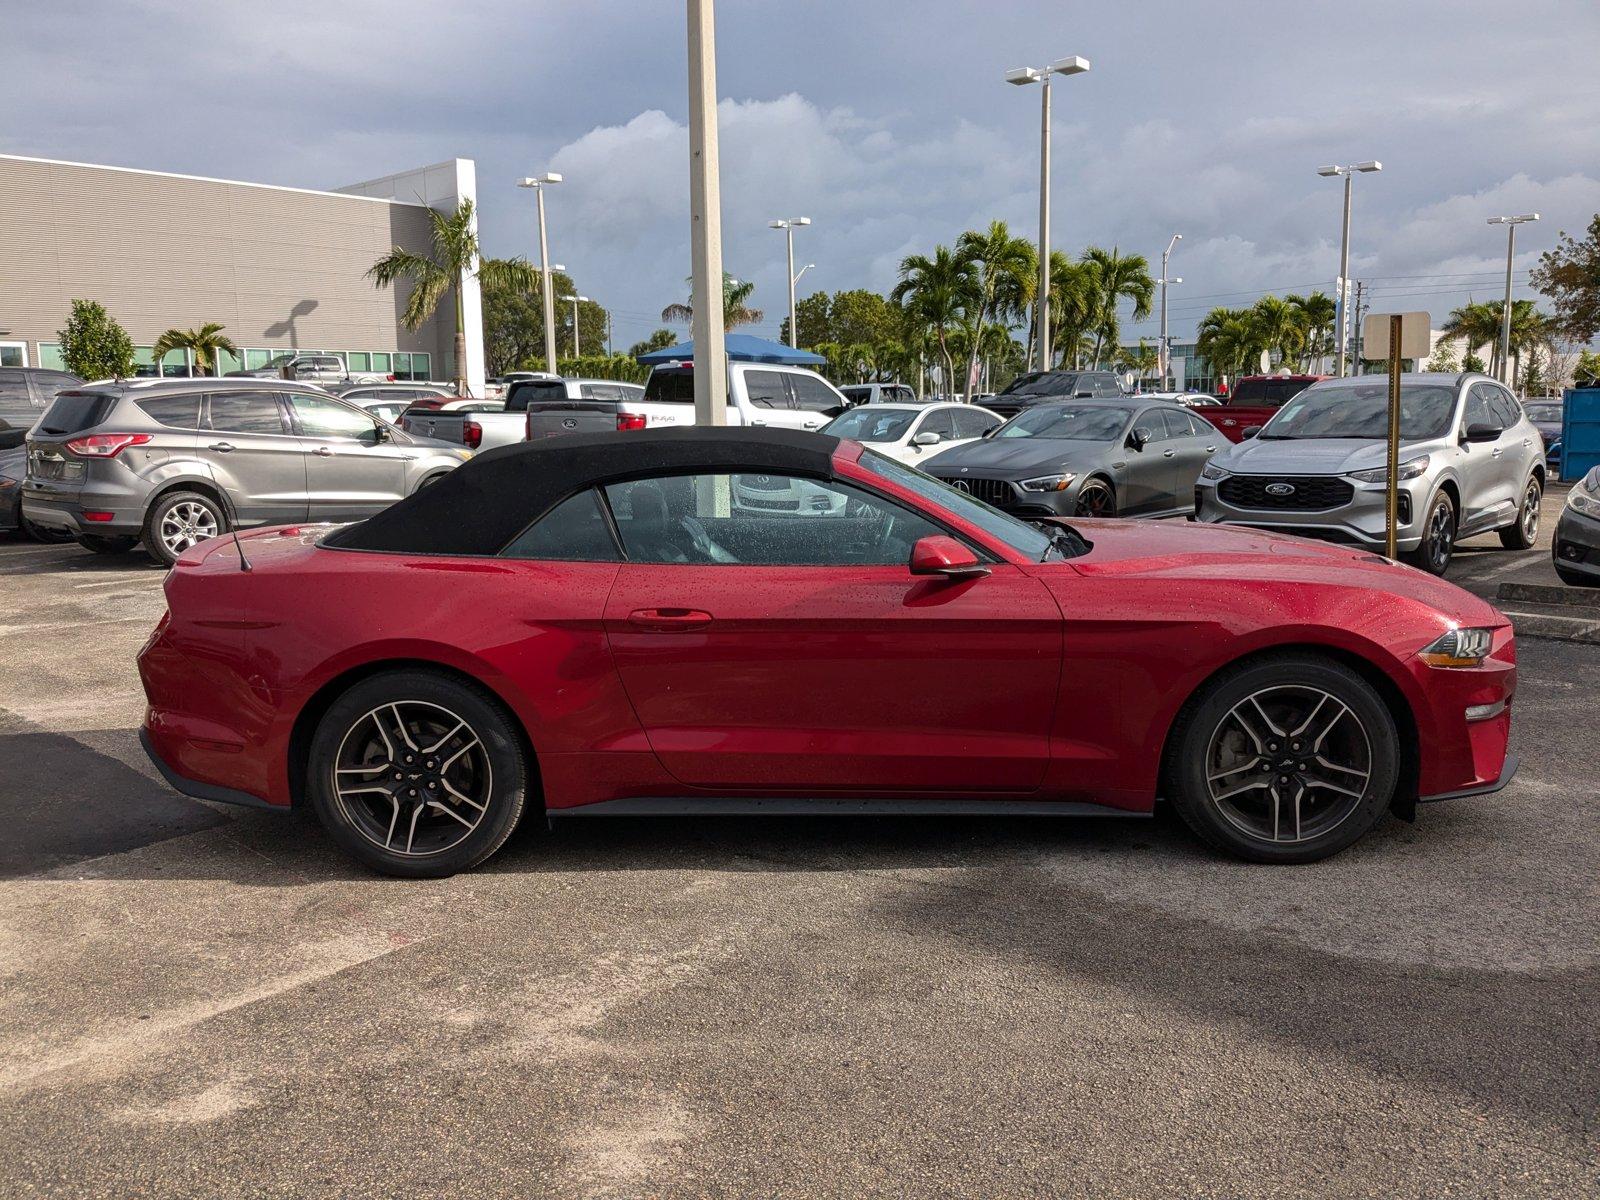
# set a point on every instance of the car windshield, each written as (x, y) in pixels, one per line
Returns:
(1042, 383)
(1068, 422)
(1019, 535)
(871, 424)
(282, 360)
(1362, 411)
(1544, 412)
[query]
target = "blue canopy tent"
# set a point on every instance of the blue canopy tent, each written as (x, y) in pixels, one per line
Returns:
(742, 347)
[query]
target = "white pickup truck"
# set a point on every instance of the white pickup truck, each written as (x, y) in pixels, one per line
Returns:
(758, 394)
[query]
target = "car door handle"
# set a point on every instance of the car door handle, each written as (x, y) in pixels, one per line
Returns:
(1168, 453)
(811, 424)
(324, 452)
(1211, 449)
(753, 422)
(221, 447)
(669, 620)
(1495, 453)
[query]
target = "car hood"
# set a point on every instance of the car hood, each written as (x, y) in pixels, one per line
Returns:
(1310, 456)
(1230, 554)
(1017, 456)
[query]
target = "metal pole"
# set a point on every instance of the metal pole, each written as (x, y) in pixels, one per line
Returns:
(1355, 332)
(1161, 356)
(1041, 305)
(788, 231)
(549, 296)
(1391, 500)
(576, 353)
(705, 219)
(1344, 276)
(1505, 315)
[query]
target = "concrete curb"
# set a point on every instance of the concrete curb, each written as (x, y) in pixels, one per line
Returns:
(1546, 593)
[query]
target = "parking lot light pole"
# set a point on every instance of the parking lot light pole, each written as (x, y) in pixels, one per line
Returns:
(705, 226)
(1165, 355)
(576, 300)
(1022, 76)
(787, 225)
(1349, 173)
(1511, 224)
(538, 183)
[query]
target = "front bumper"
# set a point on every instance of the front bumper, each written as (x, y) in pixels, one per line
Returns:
(1575, 549)
(1361, 521)
(1010, 497)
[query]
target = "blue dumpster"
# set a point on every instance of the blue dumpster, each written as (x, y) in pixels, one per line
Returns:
(1580, 432)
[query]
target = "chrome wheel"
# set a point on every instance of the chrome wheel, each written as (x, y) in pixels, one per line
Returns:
(185, 523)
(1530, 513)
(1288, 764)
(412, 778)
(1438, 539)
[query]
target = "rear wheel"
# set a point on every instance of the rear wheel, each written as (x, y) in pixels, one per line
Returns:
(1288, 759)
(1525, 532)
(1438, 536)
(1096, 499)
(106, 545)
(179, 520)
(417, 775)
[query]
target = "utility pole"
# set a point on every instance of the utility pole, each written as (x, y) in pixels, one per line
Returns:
(705, 219)
(1355, 357)
(1163, 352)
(1511, 224)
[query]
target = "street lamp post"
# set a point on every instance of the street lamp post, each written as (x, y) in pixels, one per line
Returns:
(1022, 76)
(1511, 224)
(1165, 354)
(538, 183)
(576, 300)
(787, 225)
(705, 221)
(1349, 174)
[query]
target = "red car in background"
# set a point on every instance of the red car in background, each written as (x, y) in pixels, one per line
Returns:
(732, 620)
(1254, 400)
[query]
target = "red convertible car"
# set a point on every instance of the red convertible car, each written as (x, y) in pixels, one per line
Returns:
(733, 620)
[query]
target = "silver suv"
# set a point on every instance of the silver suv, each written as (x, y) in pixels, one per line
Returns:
(172, 462)
(1470, 462)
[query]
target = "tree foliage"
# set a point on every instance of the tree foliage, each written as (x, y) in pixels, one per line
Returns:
(203, 343)
(736, 310)
(659, 340)
(1570, 276)
(94, 345)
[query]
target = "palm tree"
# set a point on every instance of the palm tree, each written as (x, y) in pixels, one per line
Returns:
(1477, 324)
(1001, 264)
(204, 343)
(1317, 313)
(454, 256)
(1229, 340)
(734, 309)
(935, 293)
(1118, 278)
(1074, 306)
(1278, 326)
(1141, 359)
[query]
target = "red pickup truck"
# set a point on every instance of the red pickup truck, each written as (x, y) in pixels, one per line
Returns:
(1253, 400)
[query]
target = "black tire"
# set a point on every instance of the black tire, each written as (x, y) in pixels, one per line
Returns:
(491, 769)
(1215, 787)
(1525, 533)
(1438, 536)
(44, 533)
(1096, 499)
(106, 545)
(179, 520)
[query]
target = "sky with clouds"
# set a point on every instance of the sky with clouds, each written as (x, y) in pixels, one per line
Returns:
(887, 123)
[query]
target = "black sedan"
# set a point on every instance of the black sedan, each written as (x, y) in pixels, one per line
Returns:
(1576, 547)
(1087, 458)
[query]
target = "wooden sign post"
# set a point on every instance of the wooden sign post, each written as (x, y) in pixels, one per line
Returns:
(1394, 336)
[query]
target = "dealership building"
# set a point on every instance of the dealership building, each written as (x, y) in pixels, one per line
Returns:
(281, 268)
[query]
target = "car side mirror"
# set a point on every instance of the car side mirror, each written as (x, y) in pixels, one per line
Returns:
(927, 439)
(942, 555)
(1250, 433)
(1139, 438)
(989, 432)
(1481, 433)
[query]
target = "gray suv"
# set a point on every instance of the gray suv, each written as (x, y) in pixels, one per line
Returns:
(1471, 462)
(172, 462)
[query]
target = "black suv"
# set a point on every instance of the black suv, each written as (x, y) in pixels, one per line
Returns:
(1027, 390)
(25, 392)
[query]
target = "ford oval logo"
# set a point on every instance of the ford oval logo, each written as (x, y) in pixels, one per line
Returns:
(569, 422)
(1279, 489)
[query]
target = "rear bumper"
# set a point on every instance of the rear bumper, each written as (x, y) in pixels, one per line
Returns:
(58, 513)
(197, 789)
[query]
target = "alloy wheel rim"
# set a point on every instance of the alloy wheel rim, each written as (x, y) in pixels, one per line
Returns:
(413, 778)
(1530, 513)
(1093, 501)
(1441, 532)
(1288, 764)
(183, 525)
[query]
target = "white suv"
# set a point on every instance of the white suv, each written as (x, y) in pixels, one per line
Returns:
(758, 394)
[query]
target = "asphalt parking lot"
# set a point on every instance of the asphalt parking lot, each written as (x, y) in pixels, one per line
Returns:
(196, 1000)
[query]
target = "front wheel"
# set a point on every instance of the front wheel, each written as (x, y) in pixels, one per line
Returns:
(1438, 536)
(1096, 499)
(1525, 532)
(417, 775)
(1286, 760)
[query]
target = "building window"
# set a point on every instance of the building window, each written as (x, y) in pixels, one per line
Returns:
(359, 361)
(380, 364)
(14, 354)
(254, 360)
(50, 356)
(420, 367)
(402, 366)
(228, 362)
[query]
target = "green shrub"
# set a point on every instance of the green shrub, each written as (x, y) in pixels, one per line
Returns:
(94, 345)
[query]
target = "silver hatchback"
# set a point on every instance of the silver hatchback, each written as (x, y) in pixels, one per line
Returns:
(1471, 462)
(172, 462)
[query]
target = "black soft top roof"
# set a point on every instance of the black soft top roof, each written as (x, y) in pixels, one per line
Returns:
(480, 506)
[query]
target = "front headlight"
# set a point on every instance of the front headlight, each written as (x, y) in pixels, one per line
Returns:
(1409, 469)
(1458, 648)
(1047, 483)
(1585, 495)
(1213, 472)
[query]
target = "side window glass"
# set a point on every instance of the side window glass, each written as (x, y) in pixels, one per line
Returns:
(765, 389)
(1154, 420)
(811, 394)
(1200, 427)
(761, 520)
(573, 531)
(245, 412)
(1505, 407)
(320, 418)
(971, 424)
(178, 412)
(942, 422)
(1477, 410)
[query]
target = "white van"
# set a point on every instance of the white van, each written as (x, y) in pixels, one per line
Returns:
(758, 394)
